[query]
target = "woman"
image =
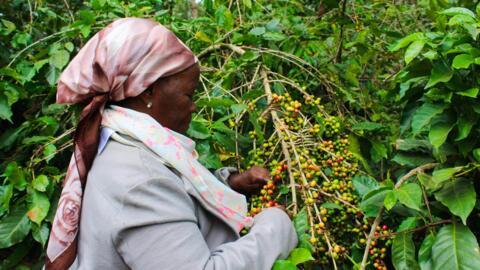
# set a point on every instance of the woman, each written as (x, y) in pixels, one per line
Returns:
(148, 203)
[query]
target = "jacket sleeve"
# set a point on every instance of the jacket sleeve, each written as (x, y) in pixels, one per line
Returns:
(223, 173)
(157, 229)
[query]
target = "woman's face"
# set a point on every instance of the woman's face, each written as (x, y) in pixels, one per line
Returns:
(172, 99)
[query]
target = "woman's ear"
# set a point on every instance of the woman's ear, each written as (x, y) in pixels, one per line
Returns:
(147, 96)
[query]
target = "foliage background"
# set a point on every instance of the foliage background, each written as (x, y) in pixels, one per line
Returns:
(406, 103)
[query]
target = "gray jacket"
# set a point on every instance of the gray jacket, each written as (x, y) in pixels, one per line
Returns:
(140, 214)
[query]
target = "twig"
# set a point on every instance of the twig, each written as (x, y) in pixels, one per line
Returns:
(433, 224)
(232, 47)
(69, 10)
(276, 122)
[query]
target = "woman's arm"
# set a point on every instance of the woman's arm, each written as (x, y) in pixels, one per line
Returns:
(157, 229)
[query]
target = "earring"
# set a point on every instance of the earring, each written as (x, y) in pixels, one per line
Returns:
(149, 104)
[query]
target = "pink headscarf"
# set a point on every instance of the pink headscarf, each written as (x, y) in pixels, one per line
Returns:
(120, 61)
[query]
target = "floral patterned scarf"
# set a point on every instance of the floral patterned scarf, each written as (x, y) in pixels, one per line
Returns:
(179, 151)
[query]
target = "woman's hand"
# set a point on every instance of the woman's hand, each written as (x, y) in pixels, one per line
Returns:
(250, 181)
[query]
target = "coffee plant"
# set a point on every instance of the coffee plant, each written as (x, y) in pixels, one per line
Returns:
(365, 113)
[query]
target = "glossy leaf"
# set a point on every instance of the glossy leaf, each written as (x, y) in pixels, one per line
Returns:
(425, 114)
(40, 182)
(410, 195)
(390, 200)
(414, 50)
(14, 227)
(459, 196)
(283, 265)
(455, 247)
(39, 206)
(441, 175)
(364, 184)
(403, 252)
(462, 61)
(300, 255)
(425, 253)
(439, 132)
(440, 73)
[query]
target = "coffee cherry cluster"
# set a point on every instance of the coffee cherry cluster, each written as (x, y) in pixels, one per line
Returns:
(378, 247)
(323, 168)
(265, 199)
(332, 126)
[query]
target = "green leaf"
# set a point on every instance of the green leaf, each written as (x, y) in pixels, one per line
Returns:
(49, 151)
(406, 41)
(5, 110)
(6, 193)
(455, 247)
(427, 181)
(198, 129)
(440, 73)
(439, 132)
(411, 159)
(249, 56)
(413, 145)
(403, 252)
(41, 233)
(464, 126)
(283, 265)
(87, 16)
(40, 183)
(476, 154)
(85, 30)
(442, 175)
(225, 141)
(366, 125)
(410, 195)
(97, 4)
(203, 37)
(430, 55)
(330, 205)
(472, 92)
(390, 200)
(378, 150)
(247, 3)
(466, 22)
(59, 59)
(373, 201)
(300, 255)
(462, 61)
(300, 222)
(459, 196)
(206, 156)
(356, 151)
(14, 227)
(413, 50)
(10, 27)
(425, 253)
(238, 108)
(364, 184)
(39, 206)
(407, 224)
(458, 11)
(224, 17)
(215, 102)
(257, 31)
(274, 36)
(52, 75)
(15, 175)
(423, 115)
